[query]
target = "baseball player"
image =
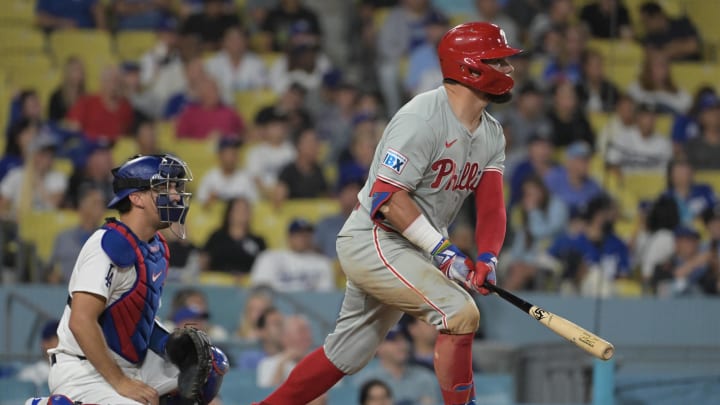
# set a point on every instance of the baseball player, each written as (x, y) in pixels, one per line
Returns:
(437, 150)
(111, 350)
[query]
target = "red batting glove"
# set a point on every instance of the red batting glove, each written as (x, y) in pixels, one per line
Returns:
(484, 271)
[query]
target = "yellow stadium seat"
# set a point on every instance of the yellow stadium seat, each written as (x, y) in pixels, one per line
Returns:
(124, 148)
(458, 19)
(269, 58)
(93, 70)
(616, 52)
(202, 221)
(17, 12)
(37, 78)
(219, 278)
(21, 61)
(704, 14)
(131, 45)
(249, 103)
(199, 154)
(664, 124)
(64, 166)
(598, 120)
(691, 76)
(5, 96)
(622, 75)
(711, 177)
(166, 134)
(644, 185)
(379, 16)
(41, 228)
(87, 44)
(19, 39)
(271, 223)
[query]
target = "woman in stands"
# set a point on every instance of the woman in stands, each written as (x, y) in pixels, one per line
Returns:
(692, 198)
(656, 86)
(71, 88)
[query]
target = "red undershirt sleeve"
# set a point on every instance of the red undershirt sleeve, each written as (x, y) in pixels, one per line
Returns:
(491, 215)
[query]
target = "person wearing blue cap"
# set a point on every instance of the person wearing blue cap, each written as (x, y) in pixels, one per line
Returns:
(282, 20)
(681, 274)
(572, 182)
(297, 268)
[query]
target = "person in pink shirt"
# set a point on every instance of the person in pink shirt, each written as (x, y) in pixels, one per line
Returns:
(208, 116)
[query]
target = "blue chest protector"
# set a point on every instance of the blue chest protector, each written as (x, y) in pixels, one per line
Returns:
(128, 323)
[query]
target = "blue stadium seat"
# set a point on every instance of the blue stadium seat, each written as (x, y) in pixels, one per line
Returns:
(494, 389)
(343, 393)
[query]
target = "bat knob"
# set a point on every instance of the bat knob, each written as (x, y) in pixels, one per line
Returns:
(608, 353)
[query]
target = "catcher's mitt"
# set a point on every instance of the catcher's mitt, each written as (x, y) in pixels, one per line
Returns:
(190, 350)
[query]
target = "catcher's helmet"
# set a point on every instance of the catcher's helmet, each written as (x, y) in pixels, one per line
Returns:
(157, 172)
(463, 50)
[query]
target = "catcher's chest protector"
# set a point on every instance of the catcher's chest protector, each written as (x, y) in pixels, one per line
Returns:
(128, 322)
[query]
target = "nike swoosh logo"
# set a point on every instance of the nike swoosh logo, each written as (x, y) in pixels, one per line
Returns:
(156, 276)
(451, 143)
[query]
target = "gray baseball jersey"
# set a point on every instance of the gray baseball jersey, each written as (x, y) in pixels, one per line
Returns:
(428, 152)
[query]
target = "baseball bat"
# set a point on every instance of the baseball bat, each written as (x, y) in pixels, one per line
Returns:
(590, 342)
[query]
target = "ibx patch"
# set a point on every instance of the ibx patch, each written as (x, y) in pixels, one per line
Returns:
(394, 160)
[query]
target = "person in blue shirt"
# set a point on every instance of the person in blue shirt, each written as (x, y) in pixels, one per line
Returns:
(141, 14)
(62, 14)
(327, 229)
(692, 198)
(687, 126)
(539, 162)
(572, 182)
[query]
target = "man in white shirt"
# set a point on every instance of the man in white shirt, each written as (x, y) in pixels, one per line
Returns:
(643, 149)
(227, 181)
(297, 268)
(234, 68)
(297, 342)
(267, 158)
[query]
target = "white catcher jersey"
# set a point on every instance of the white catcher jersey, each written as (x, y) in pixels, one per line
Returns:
(427, 151)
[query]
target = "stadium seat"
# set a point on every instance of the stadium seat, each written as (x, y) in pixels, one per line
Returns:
(644, 185)
(711, 177)
(25, 61)
(664, 124)
(64, 166)
(598, 120)
(201, 222)
(616, 52)
(124, 148)
(42, 227)
(16, 391)
(199, 154)
(131, 45)
(269, 58)
(17, 12)
(692, 76)
(93, 47)
(22, 40)
(704, 14)
(249, 103)
(622, 75)
(166, 134)
(42, 80)
(271, 223)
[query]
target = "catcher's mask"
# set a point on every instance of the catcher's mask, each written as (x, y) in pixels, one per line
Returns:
(166, 175)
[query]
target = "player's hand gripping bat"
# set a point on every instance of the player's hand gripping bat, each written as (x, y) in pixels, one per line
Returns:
(591, 343)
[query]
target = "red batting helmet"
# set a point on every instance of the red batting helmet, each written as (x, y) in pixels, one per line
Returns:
(462, 52)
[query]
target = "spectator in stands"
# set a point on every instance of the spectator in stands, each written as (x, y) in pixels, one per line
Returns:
(375, 392)
(567, 120)
(233, 248)
(292, 103)
(541, 217)
(411, 384)
(687, 126)
(527, 118)
(146, 137)
(297, 342)
(678, 38)
(83, 14)
(492, 11)
(565, 64)
(640, 150)
(195, 75)
(327, 229)
(621, 122)
(95, 172)
(38, 372)
(234, 67)
(682, 273)
(596, 92)
(209, 117)
(423, 65)
(26, 104)
(303, 62)
(140, 14)
(274, 151)
(600, 255)
(269, 331)
(692, 198)
(34, 185)
(106, 115)
(402, 31)
(71, 88)
(422, 337)
(656, 86)
(142, 102)
(187, 8)
(558, 16)
(571, 182)
(335, 111)
(227, 180)
(297, 268)
(539, 161)
(67, 245)
(20, 136)
(210, 24)
(277, 27)
(175, 76)
(654, 242)
(303, 178)
(607, 19)
(256, 303)
(710, 282)
(703, 151)
(354, 162)
(184, 260)
(163, 53)
(199, 318)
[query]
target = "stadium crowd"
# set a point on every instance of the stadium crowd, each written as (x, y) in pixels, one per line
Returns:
(612, 161)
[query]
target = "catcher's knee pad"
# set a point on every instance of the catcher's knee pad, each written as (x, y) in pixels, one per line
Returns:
(220, 366)
(465, 320)
(53, 400)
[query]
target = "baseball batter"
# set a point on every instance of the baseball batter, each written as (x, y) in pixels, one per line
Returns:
(438, 149)
(111, 348)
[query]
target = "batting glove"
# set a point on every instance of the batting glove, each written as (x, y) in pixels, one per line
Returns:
(453, 263)
(484, 271)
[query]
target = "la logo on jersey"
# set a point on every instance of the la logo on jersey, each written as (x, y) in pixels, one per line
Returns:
(394, 160)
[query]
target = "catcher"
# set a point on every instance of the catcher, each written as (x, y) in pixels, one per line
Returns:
(111, 349)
